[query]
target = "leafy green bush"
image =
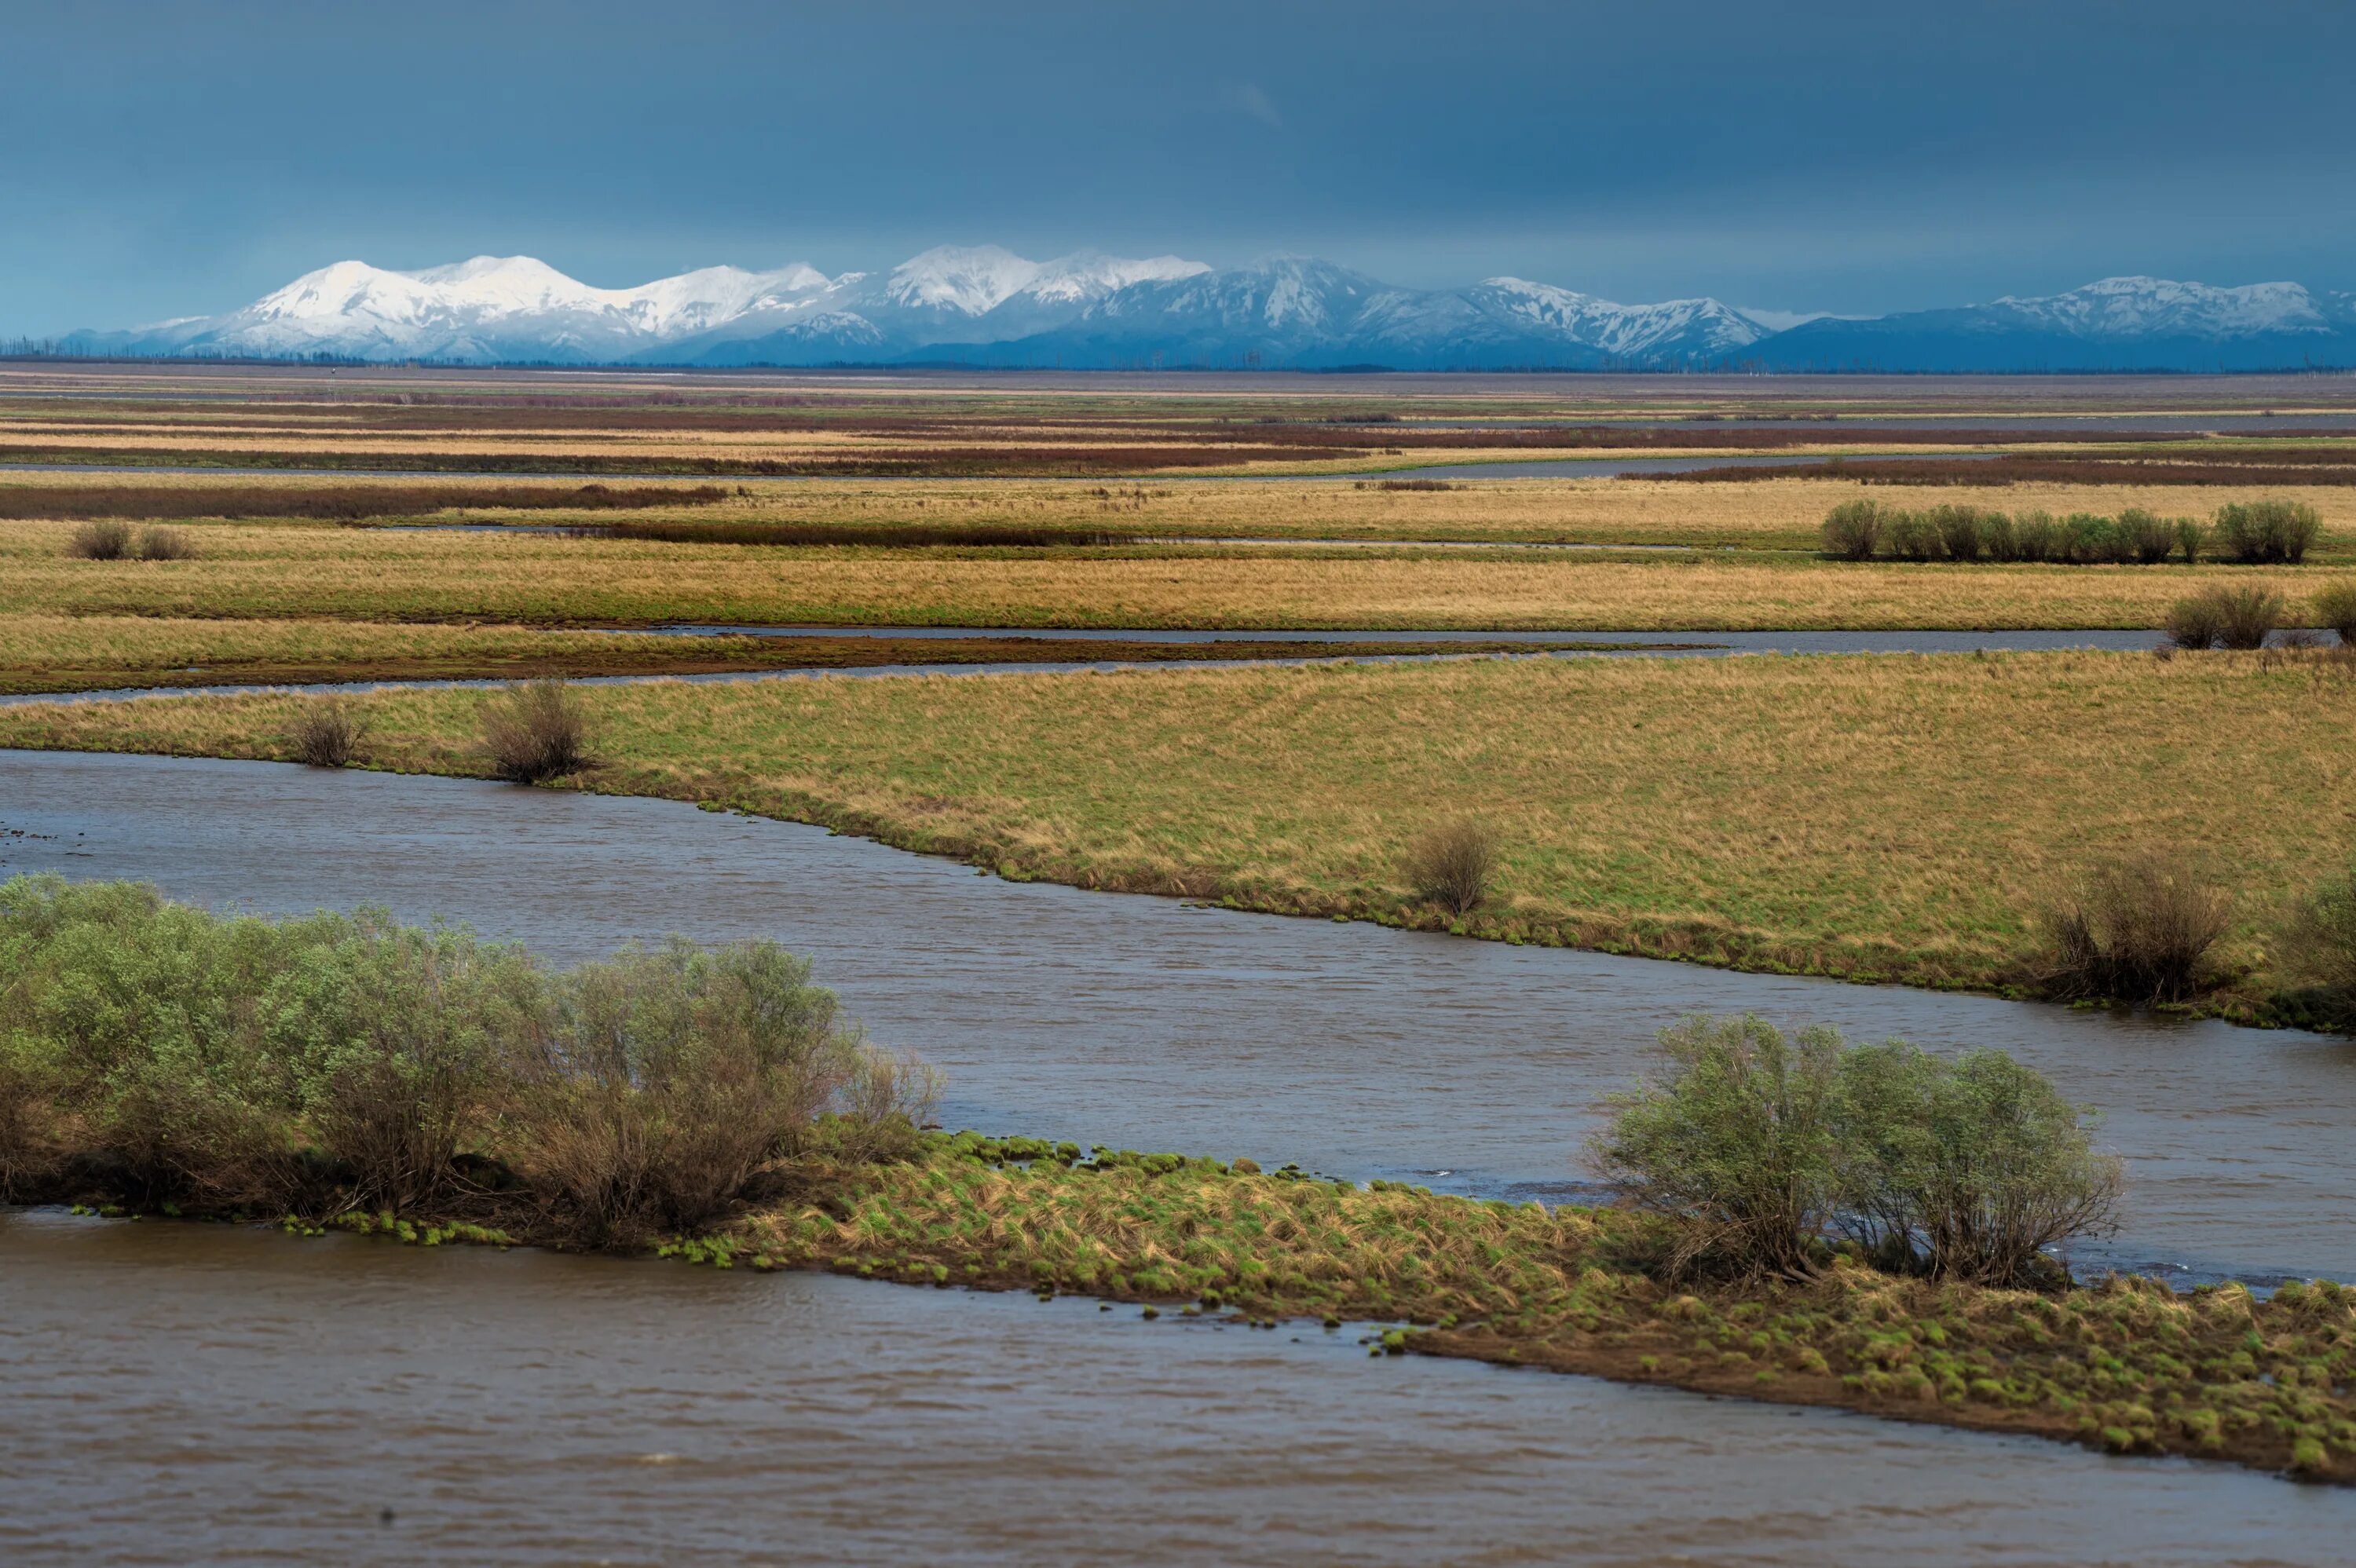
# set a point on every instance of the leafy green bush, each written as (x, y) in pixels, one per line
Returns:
(156, 1053)
(1738, 1142)
(2190, 535)
(2036, 536)
(1962, 534)
(1913, 536)
(1853, 530)
(1999, 538)
(1968, 1168)
(1760, 1148)
(2145, 538)
(2267, 533)
(2088, 540)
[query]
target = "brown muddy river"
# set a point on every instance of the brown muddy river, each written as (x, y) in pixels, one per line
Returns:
(180, 1394)
(175, 1393)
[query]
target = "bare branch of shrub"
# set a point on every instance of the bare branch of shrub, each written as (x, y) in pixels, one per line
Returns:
(2139, 930)
(1452, 864)
(535, 730)
(327, 733)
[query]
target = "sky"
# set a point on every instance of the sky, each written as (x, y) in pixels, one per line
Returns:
(173, 159)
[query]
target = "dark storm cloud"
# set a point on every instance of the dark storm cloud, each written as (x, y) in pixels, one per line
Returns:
(159, 160)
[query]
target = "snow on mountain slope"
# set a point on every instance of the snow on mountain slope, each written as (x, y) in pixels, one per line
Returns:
(984, 304)
(1699, 329)
(2112, 324)
(2115, 307)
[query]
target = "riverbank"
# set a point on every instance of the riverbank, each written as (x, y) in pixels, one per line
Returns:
(1866, 817)
(58, 654)
(2124, 1366)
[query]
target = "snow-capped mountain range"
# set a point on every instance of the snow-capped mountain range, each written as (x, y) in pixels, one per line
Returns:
(984, 306)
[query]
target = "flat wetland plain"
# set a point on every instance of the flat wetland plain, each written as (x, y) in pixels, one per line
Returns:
(1876, 817)
(1896, 818)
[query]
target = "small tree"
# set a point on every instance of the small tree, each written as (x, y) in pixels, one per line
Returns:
(1737, 1141)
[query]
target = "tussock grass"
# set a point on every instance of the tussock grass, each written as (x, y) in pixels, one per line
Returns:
(1737, 811)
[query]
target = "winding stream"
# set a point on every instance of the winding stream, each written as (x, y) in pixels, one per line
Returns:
(181, 1392)
(1142, 1022)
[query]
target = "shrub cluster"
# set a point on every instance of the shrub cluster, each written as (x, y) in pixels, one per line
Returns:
(2138, 930)
(1771, 1148)
(2225, 618)
(108, 539)
(2253, 533)
(158, 1054)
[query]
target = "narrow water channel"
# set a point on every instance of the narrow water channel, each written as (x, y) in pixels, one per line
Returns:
(1140, 1022)
(179, 1393)
(1641, 645)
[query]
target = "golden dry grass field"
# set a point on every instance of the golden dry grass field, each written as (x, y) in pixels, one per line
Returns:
(327, 572)
(1900, 818)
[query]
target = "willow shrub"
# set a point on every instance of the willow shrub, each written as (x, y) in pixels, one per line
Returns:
(1766, 1149)
(162, 1054)
(2267, 533)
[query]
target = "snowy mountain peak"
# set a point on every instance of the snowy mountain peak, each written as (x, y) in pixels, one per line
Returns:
(969, 278)
(2141, 304)
(985, 304)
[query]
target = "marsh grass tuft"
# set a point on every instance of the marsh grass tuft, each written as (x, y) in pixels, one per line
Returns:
(1452, 864)
(2139, 930)
(535, 730)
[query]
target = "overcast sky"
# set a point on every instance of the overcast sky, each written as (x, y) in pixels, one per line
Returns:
(161, 160)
